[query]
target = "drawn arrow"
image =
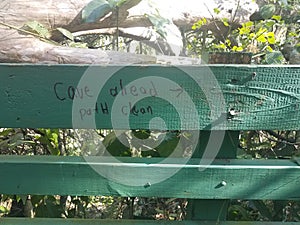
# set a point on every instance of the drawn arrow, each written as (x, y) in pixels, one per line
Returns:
(179, 90)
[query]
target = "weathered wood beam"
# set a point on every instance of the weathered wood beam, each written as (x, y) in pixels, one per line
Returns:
(218, 97)
(147, 177)
(16, 48)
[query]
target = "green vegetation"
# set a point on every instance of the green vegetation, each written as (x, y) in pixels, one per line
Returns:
(272, 36)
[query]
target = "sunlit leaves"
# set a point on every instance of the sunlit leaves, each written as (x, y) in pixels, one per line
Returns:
(158, 23)
(66, 33)
(167, 30)
(217, 10)
(237, 48)
(95, 10)
(49, 138)
(225, 22)
(220, 46)
(265, 37)
(246, 28)
(271, 37)
(37, 28)
(269, 49)
(261, 38)
(199, 24)
(277, 18)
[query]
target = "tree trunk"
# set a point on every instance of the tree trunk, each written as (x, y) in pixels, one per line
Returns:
(27, 49)
(19, 47)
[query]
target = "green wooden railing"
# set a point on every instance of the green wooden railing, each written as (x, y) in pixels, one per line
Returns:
(219, 101)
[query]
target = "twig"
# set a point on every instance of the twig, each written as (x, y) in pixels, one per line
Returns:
(287, 140)
(235, 12)
(117, 31)
(28, 32)
(234, 15)
(214, 21)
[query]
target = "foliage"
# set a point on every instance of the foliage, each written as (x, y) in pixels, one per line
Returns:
(97, 9)
(265, 36)
(37, 28)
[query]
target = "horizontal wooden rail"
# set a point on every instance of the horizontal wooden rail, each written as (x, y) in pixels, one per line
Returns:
(147, 177)
(44, 221)
(132, 97)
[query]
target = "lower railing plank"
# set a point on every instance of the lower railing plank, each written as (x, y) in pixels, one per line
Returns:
(51, 221)
(147, 177)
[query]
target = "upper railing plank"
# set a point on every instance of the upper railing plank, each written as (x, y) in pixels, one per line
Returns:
(221, 97)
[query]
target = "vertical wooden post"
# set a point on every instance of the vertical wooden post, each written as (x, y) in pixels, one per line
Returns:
(214, 210)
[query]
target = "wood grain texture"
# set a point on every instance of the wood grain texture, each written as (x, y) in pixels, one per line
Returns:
(255, 97)
(18, 48)
(244, 179)
(44, 221)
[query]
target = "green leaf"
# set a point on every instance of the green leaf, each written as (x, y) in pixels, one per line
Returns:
(6, 132)
(95, 10)
(263, 209)
(217, 11)
(271, 38)
(248, 24)
(78, 45)
(226, 24)
(141, 134)
(48, 208)
(220, 46)
(276, 17)
(270, 23)
(274, 57)
(261, 31)
(261, 38)
(237, 48)
(199, 24)
(228, 42)
(244, 30)
(237, 212)
(158, 23)
(16, 139)
(114, 146)
(168, 145)
(267, 11)
(269, 49)
(114, 3)
(66, 33)
(36, 28)
(3, 209)
(50, 140)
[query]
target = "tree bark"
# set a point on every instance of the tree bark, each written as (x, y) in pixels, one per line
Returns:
(57, 13)
(17, 47)
(27, 49)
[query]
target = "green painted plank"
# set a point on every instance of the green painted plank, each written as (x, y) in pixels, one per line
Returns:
(224, 179)
(193, 97)
(210, 209)
(44, 221)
